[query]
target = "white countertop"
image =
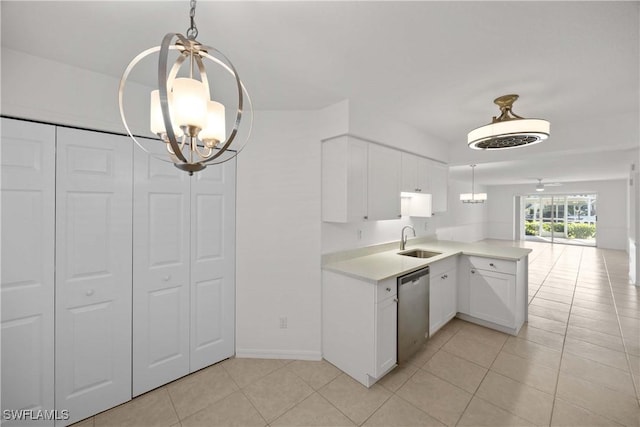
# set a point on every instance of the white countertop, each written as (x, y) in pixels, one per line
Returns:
(388, 263)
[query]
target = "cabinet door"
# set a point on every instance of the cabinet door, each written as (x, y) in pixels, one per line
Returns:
(386, 335)
(443, 300)
(424, 175)
(436, 302)
(344, 180)
(450, 291)
(492, 296)
(160, 272)
(383, 183)
(93, 271)
(409, 173)
(212, 324)
(27, 284)
(357, 180)
(439, 186)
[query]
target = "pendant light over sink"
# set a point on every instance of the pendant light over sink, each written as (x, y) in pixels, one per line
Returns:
(183, 113)
(473, 197)
(508, 130)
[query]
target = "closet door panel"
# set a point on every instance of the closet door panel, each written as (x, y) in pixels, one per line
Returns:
(213, 265)
(161, 272)
(27, 279)
(93, 271)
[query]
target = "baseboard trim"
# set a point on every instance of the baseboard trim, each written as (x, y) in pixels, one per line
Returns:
(251, 353)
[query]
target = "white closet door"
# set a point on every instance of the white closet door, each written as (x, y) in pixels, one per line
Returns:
(93, 271)
(27, 284)
(213, 265)
(160, 272)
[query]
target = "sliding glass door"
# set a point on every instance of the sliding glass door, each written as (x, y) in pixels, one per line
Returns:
(560, 218)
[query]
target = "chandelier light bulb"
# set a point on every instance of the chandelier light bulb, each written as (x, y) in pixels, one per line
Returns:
(189, 103)
(156, 123)
(215, 130)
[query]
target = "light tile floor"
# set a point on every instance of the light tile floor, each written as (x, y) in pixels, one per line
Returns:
(576, 363)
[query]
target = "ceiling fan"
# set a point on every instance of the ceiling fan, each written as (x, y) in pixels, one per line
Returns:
(540, 186)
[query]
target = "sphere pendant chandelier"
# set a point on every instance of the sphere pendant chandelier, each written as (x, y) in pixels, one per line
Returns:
(183, 114)
(508, 130)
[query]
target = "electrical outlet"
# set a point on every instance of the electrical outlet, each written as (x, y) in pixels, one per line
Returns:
(283, 323)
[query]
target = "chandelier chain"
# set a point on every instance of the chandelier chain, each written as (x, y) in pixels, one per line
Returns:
(192, 32)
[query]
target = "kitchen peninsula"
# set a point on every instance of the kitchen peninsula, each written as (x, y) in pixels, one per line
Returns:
(478, 282)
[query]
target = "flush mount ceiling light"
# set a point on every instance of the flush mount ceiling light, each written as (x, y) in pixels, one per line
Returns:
(473, 197)
(540, 186)
(508, 130)
(183, 114)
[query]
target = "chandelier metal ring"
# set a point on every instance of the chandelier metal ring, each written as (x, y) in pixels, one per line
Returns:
(202, 51)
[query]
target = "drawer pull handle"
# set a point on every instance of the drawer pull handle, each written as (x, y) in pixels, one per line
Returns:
(90, 292)
(388, 289)
(445, 276)
(395, 300)
(473, 272)
(492, 265)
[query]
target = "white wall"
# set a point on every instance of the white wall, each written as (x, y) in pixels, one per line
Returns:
(369, 124)
(633, 223)
(612, 209)
(278, 238)
(463, 222)
(39, 89)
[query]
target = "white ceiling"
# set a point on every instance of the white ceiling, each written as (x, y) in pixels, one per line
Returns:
(434, 65)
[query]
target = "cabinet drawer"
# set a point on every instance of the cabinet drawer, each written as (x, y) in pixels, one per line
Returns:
(492, 264)
(386, 289)
(438, 268)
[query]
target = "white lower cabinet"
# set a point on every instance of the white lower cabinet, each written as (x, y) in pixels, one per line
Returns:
(386, 330)
(443, 298)
(492, 296)
(93, 272)
(493, 292)
(359, 325)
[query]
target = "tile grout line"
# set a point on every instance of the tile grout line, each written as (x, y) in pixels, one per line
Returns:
(473, 395)
(241, 390)
(624, 344)
(564, 338)
(394, 393)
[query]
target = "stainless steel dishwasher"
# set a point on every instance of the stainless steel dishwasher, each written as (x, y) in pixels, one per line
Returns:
(413, 313)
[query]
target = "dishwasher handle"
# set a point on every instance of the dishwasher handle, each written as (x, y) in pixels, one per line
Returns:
(412, 277)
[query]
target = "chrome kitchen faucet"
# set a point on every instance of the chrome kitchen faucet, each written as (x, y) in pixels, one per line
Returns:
(403, 238)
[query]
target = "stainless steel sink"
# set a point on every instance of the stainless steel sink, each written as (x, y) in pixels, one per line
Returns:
(419, 253)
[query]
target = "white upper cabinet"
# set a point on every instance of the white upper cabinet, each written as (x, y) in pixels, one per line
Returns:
(422, 175)
(439, 182)
(360, 181)
(344, 180)
(416, 177)
(383, 192)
